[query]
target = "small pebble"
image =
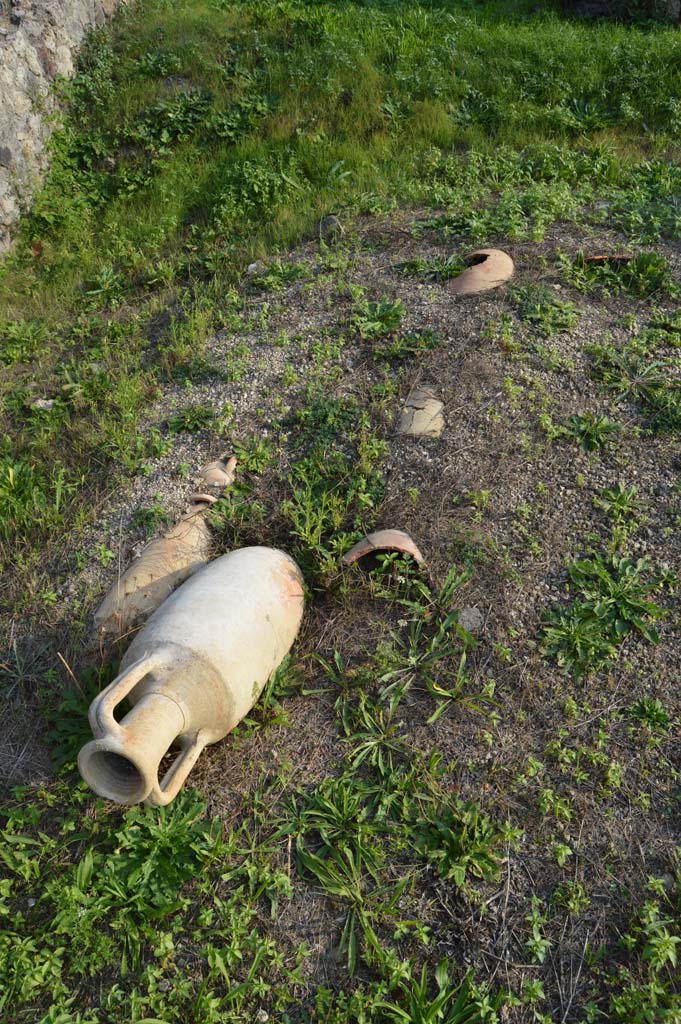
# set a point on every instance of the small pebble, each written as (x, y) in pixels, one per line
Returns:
(471, 619)
(330, 229)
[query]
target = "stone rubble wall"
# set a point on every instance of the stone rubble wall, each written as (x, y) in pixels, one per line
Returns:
(38, 42)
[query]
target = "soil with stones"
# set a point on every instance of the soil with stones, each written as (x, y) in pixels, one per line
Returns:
(494, 493)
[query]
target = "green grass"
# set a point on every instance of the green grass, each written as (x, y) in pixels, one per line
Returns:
(437, 268)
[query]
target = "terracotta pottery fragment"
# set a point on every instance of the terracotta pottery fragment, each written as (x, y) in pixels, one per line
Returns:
(201, 499)
(162, 565)
(219, 473)
(616, 261)
(422, 414)
(383, 540)
(487, 268)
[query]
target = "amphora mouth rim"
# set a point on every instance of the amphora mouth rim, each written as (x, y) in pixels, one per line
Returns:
(113, 774)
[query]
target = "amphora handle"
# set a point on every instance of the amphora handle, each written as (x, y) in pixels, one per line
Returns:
(174, 778)
(101, 713)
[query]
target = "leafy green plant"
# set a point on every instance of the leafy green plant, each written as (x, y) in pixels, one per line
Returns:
(253, 189)
(20, 339)
(572, 896)
(561, 852)
(150, 518)
(107, 901)
(375, 732)
(323, 419)
(665, 327)
(537, 945)
(620, 503)
(591, 431)
(172, 119)
(29, 501)
(642, 988)
(69, 727)
(333, 491)
(276, 275)
(451, 1003)
(158, 63)
(107, 287)
(435, 268)
(651, 384)
(378, 319)
(405, 346)
(192, 419)
(236, 512)
(541, 307)
(253, 455)
(459, 840)
(652, 713)
(614, 601)
(347, 860)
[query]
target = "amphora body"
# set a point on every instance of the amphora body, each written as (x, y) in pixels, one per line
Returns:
(192, 673)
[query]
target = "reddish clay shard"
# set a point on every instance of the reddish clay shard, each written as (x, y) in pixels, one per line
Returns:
(613, 261)
(383, 540)
(487, 268)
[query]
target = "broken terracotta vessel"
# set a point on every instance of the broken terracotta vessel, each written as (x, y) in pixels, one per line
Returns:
(192, 673)
(422, 414)
(219, 473)
(163, 564)
(487, 268)
(383, 540)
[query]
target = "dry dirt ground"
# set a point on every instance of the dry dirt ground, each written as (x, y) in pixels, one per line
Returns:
(495, 494)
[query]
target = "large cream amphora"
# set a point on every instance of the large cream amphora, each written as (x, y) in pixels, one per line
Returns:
(192, 673)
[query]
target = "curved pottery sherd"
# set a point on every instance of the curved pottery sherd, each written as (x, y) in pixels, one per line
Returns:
(488, 268)
(422, 414)
(383, 540)
(192, 673)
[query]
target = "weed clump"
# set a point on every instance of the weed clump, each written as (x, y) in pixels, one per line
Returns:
(590, 431)
(642, 275)
(651, 384)
(435, 268)
(541, 307)
(192, 419)
(613, 602)
(379, 319)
